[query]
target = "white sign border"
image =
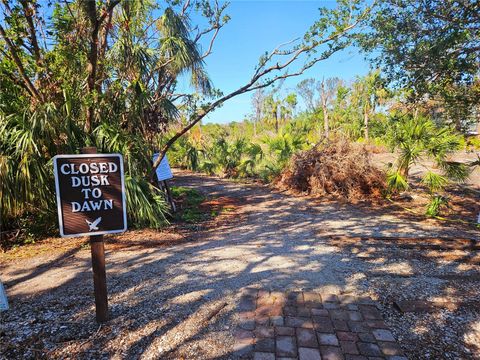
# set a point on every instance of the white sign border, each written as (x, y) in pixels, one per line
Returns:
(59, 200)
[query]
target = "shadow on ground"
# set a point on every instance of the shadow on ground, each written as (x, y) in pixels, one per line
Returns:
(168, 301)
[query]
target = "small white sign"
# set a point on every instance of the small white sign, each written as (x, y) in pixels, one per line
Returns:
(163, 170)
(3, 298)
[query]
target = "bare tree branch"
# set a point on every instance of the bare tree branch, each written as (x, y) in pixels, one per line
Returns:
(28, 11)
(217, 24)
(20, 67)
(209, 50)
(185, 7)
(90, 9)
(202, 33)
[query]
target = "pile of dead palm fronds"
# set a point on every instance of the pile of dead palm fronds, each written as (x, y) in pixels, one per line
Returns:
(336, 168)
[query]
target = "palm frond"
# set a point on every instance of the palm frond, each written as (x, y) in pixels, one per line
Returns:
(434, 207)
(455, 171)
(146, 205)
(396, 182)
(434, 182)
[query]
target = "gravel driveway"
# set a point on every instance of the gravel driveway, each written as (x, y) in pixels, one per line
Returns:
(178, 301)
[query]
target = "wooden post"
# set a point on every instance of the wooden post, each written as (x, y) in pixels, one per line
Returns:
(170, 197)
(98, 266)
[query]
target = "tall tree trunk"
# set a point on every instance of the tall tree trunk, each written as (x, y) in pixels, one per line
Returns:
(365, 122)
(276, 120)
(91, 10)
(103, 43)
(326, 124)
(257, 118)
(324, 100)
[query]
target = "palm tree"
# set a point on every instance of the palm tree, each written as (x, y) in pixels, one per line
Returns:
(417, 140)
(369, 92)
(271, 111)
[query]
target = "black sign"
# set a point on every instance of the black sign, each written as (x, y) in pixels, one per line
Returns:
(90, 194)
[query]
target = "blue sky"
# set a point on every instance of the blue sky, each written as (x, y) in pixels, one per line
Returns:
(259, 26)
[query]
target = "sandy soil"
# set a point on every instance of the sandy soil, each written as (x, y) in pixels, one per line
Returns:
(172, 294)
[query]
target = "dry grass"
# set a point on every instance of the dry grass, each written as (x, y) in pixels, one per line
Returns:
(338, 168)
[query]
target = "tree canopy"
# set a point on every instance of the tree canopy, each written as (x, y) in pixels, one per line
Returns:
(430, 47)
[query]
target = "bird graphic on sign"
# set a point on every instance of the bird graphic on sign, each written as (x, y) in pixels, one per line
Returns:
(92, 225)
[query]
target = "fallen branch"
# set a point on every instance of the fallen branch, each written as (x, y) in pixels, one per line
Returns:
(214, 312)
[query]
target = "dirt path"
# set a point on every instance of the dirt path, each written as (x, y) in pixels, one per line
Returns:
(162, 295)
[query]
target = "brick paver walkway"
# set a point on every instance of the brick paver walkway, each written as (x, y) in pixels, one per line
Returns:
(311, 326)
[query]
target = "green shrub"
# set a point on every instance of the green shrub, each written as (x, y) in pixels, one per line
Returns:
(189, 201)
(419, 138)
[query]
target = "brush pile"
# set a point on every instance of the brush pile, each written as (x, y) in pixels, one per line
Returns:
(338, 168)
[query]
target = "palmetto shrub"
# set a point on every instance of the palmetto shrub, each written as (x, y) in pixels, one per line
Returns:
(418, 140)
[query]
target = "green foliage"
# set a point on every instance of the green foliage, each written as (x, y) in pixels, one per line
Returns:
(229, 155)
(418, 140)
(208, 167)
(436, 204)
(417, 137)
(396, 182)
(280, 149)
(254, 155)
(430, 48)
(434, 182)
(225, 152)
(56, 98)
(192, 196)
(28, 228)
(190, 200)
(146, 205)
(30, 140)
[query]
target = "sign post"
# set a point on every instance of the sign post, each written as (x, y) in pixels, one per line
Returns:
(97, 249)
(91, 201)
